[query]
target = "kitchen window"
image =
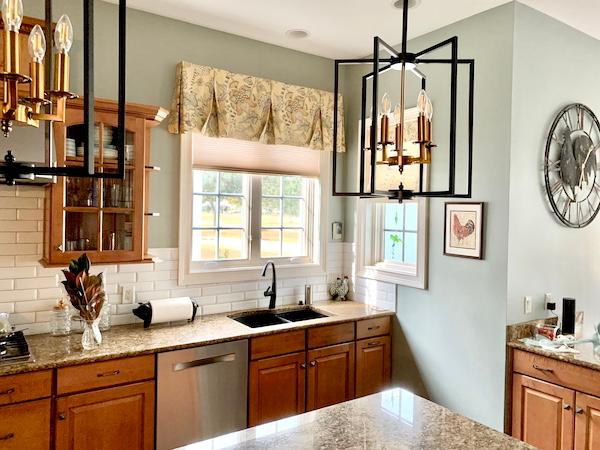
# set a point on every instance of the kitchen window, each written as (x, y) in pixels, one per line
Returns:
(226, 205)
(233, 221)
(392, 244)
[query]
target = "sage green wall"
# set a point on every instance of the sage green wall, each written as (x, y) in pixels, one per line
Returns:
(155, 45)
(450, 339)
(554, 65)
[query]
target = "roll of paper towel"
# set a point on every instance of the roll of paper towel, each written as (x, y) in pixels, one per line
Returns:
(172, 309)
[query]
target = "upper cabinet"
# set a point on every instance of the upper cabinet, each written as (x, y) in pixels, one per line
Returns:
(106, 218)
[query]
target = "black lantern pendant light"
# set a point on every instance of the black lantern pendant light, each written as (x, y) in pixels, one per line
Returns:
(49, 105)
(375, 138)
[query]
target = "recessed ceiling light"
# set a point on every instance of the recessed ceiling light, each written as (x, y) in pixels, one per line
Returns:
(411, 4)
(297, 34)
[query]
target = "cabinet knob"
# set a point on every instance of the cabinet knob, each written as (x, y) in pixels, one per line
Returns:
(313, 363)
(579, 410)
(62, 416)
(7, 437)
(567, 406)
(303, 366)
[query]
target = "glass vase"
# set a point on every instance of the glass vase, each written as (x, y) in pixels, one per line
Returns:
(91, 337)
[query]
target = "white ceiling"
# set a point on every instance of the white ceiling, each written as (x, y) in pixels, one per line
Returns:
(345, 28)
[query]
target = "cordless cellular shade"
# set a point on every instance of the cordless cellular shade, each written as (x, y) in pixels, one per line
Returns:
(253, 157)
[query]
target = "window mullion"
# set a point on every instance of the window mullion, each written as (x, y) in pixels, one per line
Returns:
(255, 217)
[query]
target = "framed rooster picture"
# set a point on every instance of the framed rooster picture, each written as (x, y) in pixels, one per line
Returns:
(463, 230)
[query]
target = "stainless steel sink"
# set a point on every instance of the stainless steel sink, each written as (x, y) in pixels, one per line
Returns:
(257, 319)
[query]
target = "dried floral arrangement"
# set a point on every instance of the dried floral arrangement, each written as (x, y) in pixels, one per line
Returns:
(85, 291)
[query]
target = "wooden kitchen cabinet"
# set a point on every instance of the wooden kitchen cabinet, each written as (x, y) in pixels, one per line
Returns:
(543, 413)
(107, 419)
(106, 218)
(276, 388)
(373, 365)
(25, 425)
(330, 376)
(587, 422)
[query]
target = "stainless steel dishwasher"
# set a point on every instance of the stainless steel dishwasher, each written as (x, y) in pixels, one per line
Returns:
(201, 393)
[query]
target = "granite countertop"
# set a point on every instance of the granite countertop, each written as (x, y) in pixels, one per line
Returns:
(131, 340)
(585, 358)
(393, 419)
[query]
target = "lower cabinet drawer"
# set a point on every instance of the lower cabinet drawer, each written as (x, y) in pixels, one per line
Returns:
(561, 373)
(25, 426)
(91, 376)
(26, 386)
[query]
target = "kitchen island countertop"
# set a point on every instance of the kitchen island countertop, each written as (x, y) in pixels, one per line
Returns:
(131, 340)
(393, 419)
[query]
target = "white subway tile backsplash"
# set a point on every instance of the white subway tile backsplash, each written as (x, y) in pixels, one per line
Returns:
(36, 305)
(39, 282)
(219, 289)
(17, 272)
(28, 290)
(233, 297)
(216, 309)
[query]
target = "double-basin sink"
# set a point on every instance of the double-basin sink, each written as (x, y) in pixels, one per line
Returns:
(257, 319)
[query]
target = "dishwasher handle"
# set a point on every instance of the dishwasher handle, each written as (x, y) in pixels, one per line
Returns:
(203, 362)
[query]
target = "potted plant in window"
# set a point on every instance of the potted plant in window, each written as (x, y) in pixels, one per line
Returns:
(86, 293)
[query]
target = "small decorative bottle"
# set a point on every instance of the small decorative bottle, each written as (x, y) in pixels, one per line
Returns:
(60, 319)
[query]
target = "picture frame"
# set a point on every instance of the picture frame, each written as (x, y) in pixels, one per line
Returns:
(337, 231)
(464, 229)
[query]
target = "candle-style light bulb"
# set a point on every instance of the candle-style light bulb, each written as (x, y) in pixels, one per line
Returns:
(12, 14)
(386, 104)
(397, 111)
(37, 44)
(429, 110)
(63, 34)
(422, 100)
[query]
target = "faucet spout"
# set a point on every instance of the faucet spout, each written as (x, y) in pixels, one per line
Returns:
(271, 291)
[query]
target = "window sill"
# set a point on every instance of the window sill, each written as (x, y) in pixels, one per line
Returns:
(387, 275)
(248, 273)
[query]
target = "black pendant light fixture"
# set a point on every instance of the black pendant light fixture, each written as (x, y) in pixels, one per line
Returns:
(49, 105)
(404, 63)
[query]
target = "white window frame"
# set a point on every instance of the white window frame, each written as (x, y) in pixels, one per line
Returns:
(232, 271)
(369, 245)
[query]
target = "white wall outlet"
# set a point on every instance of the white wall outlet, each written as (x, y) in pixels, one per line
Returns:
(528, 304)
(128, 293)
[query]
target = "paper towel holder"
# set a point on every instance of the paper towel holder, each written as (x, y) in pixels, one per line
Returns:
(144, 312)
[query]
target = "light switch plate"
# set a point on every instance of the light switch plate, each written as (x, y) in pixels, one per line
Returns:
(128, 293)
(528, 304)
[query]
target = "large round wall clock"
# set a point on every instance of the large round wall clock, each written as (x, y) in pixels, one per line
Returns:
(571, 166)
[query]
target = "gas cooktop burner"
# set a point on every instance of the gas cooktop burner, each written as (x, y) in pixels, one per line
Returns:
(14, 348)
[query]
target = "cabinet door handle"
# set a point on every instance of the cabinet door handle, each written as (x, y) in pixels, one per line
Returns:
(8, 391)
(543, 369)
(313, 363)
(567, 407)
(373, 343)
(62, 416)
(373, 328)
(108, 374)
(303, 366)
(7, 437)
(579, 410)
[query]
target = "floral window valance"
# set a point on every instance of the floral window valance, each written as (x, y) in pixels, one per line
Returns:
(218, 103)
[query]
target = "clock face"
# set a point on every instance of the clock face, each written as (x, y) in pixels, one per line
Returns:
(571, 166)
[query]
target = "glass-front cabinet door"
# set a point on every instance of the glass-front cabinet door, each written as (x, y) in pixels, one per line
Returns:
(103, 217)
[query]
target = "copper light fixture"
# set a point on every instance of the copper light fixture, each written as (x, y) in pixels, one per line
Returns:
(28, 110)
(49, 105)
(377, 143)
